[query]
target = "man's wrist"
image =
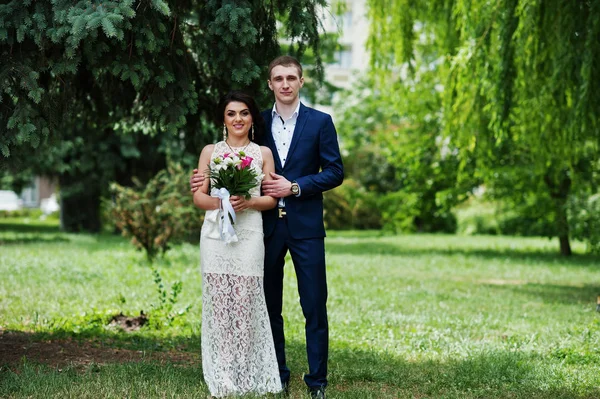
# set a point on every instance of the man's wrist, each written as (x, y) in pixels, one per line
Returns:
(295, 189)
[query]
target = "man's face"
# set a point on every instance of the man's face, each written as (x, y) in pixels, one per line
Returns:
(286, 83)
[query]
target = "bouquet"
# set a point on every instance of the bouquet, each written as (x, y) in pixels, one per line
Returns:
(231, 174)
(234, 172)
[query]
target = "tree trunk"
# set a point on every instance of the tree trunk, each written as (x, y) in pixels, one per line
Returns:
(560, 186)
(79, 209)
(562, 224)
(565, 246)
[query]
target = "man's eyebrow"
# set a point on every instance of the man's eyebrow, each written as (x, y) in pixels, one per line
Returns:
(287, 76)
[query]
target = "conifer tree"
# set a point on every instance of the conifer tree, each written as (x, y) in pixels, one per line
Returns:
(91, 89)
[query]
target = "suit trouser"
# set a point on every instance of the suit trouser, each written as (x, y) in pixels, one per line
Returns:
(308, 256)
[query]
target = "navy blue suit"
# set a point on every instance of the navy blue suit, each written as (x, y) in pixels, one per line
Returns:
(315, 163)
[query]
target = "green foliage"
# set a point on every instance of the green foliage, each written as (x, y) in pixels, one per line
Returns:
(585, 221)
(63, 47)
(477, 217)
(163, 313)
(395, 148)
(481, 215)
(15, 180)
(156, 213)
(108, 90)
(351, 206)
(399, 210)
(516, 101)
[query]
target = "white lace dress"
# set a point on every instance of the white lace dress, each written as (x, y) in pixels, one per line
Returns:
(238, 355)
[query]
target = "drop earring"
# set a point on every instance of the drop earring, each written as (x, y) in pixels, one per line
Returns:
(253, 132)
(224, 132)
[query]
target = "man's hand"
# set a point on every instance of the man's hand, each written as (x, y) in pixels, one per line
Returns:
(279, 187)
(196, 180)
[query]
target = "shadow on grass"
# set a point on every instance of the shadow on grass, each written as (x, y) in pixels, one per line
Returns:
(22, 233)
(552, 293)
(29, 228)
(353, 373)
(17, 233)
(62, 348)
(372, 247)
(33, 239)
(498, 374)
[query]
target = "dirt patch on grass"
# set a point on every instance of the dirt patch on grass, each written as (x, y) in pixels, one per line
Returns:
(129, 323)
(16, 346)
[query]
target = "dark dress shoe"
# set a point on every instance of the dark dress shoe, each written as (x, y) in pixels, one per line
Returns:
(317, 392)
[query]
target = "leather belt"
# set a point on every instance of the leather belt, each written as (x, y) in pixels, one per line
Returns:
(281, 213)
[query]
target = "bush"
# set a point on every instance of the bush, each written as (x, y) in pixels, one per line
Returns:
(525, 224)
(480, 216)
(156, 213)
(350, 206)
(404, 211)
(585, 221)
(477, 217)
(398, 211)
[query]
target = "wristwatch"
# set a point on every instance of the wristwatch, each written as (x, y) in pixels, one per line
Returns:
(295, 188)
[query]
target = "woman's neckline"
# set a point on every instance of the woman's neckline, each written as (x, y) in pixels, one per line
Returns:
(239, 149)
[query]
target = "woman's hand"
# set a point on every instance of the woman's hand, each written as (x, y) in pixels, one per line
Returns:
(239, 203)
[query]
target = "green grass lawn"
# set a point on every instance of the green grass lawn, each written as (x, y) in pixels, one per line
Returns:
(415, 316)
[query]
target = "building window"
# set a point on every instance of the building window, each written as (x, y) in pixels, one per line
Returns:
(347, 21)
(343, 58)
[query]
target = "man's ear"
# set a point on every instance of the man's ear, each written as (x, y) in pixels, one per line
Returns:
(270, 85)
(302, 81)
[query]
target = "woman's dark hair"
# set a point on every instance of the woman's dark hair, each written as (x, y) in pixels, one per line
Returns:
(257, 119)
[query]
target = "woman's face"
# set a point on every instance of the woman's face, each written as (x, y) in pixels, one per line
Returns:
(238, 119)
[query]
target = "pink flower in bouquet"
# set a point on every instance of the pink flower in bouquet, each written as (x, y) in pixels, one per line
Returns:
(246, 161)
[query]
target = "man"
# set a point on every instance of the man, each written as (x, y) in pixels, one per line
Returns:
(307, 163)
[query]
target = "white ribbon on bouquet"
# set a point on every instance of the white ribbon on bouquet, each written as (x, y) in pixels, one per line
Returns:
(226, 216)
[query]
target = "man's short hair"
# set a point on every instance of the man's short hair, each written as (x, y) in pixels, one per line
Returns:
(286, 61)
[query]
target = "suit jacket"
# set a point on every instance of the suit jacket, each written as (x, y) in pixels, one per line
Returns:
(315, 163)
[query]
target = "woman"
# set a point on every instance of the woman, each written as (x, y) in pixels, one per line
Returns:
(238, 355)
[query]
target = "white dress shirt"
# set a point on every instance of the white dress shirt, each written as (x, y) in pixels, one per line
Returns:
(283, 132)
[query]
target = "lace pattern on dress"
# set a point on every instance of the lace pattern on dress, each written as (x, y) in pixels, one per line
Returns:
(238, 355)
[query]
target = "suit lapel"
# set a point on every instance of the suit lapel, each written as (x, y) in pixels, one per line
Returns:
(298, 130)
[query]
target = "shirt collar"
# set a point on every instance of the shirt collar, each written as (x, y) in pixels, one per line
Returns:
(274, 112)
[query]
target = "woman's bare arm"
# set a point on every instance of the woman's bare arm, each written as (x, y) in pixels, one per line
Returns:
(202, 199)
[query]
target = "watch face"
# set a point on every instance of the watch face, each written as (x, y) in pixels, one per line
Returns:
(295, 189)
